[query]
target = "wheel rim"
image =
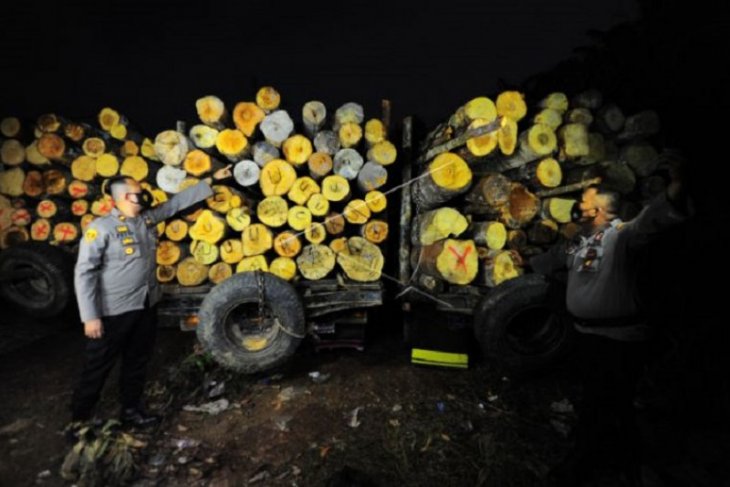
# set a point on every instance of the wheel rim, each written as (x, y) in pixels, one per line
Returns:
(535, 330)
(26, 289)
(247, 329)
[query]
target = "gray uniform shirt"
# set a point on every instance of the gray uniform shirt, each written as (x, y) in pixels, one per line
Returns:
(115, 269)
(602, 284)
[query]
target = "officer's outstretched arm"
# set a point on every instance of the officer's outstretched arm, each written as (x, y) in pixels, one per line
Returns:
(186, 198)
(87, 271)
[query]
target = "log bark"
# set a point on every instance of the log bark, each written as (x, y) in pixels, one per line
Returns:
(500, 266)
(543, 232)
(521, 207)
(435, 225)
(536, 142)
(558, 209)
(447, 176)
(13, 236)
(56, 181)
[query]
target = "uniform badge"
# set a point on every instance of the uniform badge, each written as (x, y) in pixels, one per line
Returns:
(129, 250)
(122, 229)
(90, 235)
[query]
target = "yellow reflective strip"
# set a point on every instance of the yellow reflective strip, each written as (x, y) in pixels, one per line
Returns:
(441, 357)
(439, 364)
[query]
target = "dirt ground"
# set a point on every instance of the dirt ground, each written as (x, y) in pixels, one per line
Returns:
(371, 418)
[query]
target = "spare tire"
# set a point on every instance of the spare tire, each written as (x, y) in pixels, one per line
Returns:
(522, 324)
(37, 277)
(232, 329)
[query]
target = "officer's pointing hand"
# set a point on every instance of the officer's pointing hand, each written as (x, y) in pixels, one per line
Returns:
(223, 173)
(93, 328)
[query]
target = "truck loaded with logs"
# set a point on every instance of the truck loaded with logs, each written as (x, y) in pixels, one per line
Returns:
(294, 245)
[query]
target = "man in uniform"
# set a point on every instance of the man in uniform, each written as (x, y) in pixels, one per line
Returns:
(117, 291)
(603, 298)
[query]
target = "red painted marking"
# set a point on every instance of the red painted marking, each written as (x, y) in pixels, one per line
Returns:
(65, 231)
(41, 229)
(45, 206)
(78, 190)
(460, 259)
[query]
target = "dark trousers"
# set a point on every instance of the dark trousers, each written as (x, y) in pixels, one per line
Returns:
(607, 434)
(130, 335)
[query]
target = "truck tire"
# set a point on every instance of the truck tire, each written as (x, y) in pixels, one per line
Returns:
(522, 324)
(231, 329)
(44, 286)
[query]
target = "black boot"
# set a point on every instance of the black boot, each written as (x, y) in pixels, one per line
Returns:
(138, 417)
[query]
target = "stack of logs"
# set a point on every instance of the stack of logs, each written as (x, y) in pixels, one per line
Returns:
(300, 202)
(498, 185)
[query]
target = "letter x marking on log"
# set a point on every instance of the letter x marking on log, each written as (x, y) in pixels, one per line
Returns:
(460, 258)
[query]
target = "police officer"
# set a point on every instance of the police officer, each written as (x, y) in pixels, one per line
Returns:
(117, 291)
(613, 333)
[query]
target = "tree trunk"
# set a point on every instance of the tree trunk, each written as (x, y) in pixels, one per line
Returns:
(283, 267)
(277, 178)
(83, 168)
(335, 188)
(435, 225)
(320, 165)
(500, 266)
(297, 149)
(315, 233)
(33, 184)
(361, 260)
(135, 167)
(446, 177)
(191, 272)
(641, 157)
(334, 223)
(610, 119)
(314, 115)
(219, 272)
(12, 153)
(357, 212)
(208, 227)
(10, 127)
(299, 218)
(264, 152)
(56, 181)
(176, 230)
(65, 232)
(328, 142)
(277, 127)
(287, 244)
(640, 126)
(257, 239)
(316, 261)
(40, 230)
(168, 253)
(165, 273)
(273, 211)
(171, 147)
(247, 173)
(490, 234)
(303, 189)
(347, 163)
(372, 176)
(247, 116)
(454, 261)
(375, 231)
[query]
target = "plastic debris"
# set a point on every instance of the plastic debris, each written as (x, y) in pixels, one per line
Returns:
(217, 389)
(318, 377)
(44, 474)
(354, 421)
(562, 407)
(440, 406)
(492, 397)
(185, 443)
(213, 408)
(265, 475)
(282, 422)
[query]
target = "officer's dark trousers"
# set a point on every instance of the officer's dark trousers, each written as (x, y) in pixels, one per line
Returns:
(130, 335)
(607, 433)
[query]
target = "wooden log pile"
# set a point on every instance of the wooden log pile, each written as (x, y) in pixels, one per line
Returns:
(306, 200)
(498, 182)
